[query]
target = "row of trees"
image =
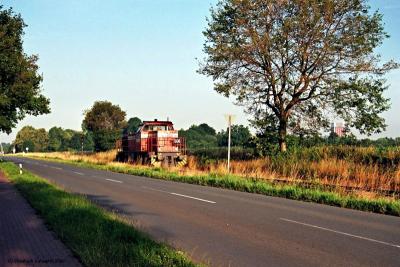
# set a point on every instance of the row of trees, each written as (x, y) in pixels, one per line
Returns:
(104, 123)
(56, 139)
(199, 137)
(204, 136)
(102, 126)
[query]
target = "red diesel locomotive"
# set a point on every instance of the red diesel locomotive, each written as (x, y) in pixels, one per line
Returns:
(155, 142)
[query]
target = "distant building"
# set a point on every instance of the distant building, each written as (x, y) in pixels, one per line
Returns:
(338, 129)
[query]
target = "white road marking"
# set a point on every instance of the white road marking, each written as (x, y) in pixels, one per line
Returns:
(79, 173)
(342, 233)
(181, 195)
(57, 168)
(205, 200)
(115, 181)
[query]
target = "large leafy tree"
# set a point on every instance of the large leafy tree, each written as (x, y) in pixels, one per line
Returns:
(299, 63)
(20, 92)
(105, 122)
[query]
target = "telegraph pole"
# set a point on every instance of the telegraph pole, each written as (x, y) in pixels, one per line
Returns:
(229, 118)
(229, 141)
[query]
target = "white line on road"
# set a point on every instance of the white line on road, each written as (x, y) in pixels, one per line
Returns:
(79, 173)
(205, 200)
(181, 195)
(115, 181)
(57, 168)
(342, 233)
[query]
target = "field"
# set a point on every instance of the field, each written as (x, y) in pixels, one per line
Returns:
(369, 171)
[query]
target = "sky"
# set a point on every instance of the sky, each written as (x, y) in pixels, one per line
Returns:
(143, 56)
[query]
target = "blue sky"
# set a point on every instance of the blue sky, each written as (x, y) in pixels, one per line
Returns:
(142, 55)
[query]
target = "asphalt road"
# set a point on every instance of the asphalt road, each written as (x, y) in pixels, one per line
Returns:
(228, 228)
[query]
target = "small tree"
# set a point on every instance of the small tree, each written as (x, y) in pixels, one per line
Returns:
(298, 62)
(240, 136)
(133, 125)
(36, 138)
(199, 136)
(105, 122)
(20, 91)
(56, 139)
(28, 146)
(78, 139)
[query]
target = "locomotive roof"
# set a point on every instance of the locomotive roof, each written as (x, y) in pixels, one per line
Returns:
(156, 122)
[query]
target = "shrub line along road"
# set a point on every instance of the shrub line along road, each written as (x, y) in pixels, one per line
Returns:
(224, 227)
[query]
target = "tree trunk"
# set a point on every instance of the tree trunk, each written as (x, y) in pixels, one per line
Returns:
(282, 135)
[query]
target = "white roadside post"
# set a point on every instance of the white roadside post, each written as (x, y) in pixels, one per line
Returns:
(229, 118)
(20, 168)
(82, 139)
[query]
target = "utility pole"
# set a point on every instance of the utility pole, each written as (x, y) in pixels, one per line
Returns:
(229, 118)
(229, 142)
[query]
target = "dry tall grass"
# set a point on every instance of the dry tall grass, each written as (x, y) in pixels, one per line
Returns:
(97, 158)
(328, 172)
(101, 158)
(360, 168)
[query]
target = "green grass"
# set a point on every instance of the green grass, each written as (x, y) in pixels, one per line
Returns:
(97, 237)
(296, 192)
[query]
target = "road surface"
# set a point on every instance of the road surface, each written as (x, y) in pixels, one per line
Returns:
(228, 228)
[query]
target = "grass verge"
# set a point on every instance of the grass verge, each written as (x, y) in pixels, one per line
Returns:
(96, 236)
(296, 192)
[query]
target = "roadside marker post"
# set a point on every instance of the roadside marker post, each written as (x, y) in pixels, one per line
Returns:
(82, 139)
(20, 168)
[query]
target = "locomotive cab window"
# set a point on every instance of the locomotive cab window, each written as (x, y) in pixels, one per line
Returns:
(157, 128)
